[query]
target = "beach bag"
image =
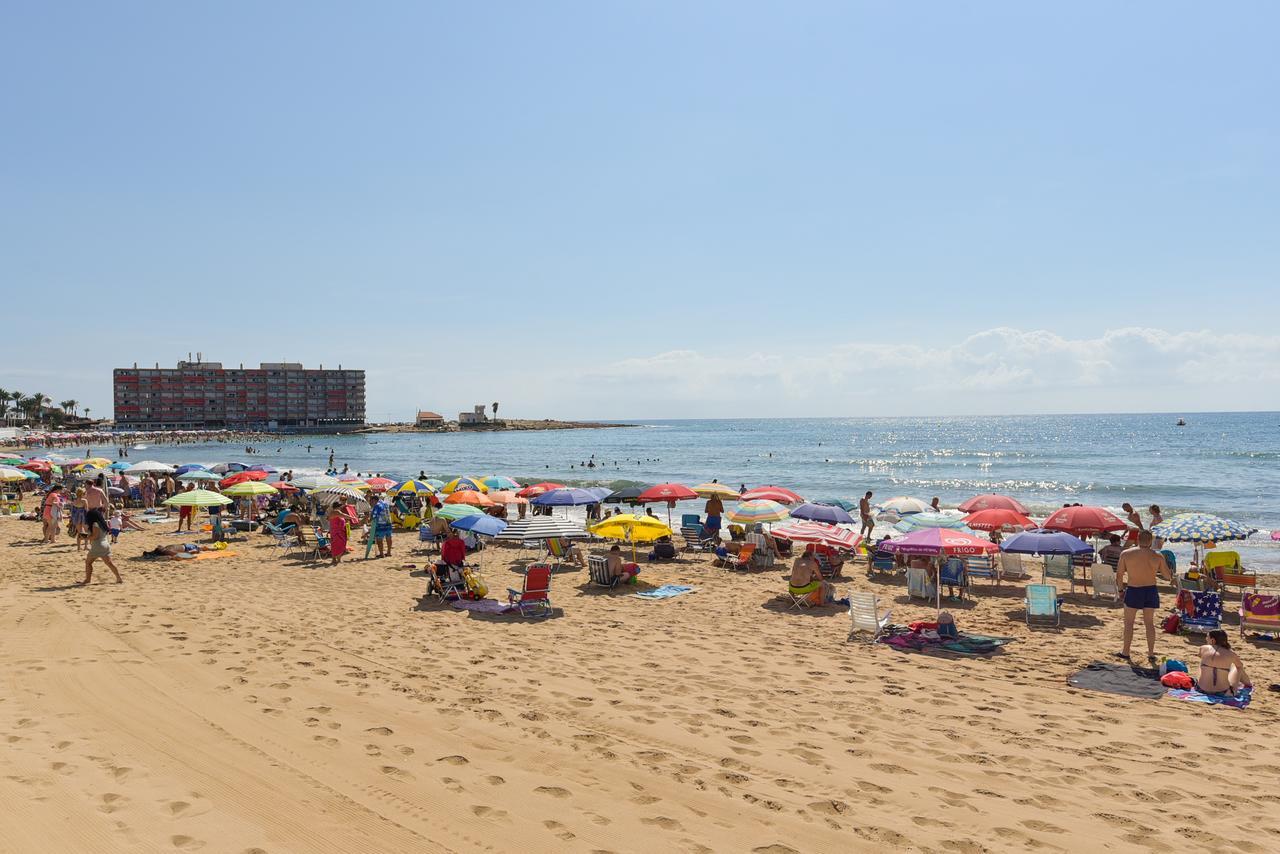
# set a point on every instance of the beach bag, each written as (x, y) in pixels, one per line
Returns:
(1172, 665)
(947, 625)
(475, 584)
(1177, 679)
(1171, 623)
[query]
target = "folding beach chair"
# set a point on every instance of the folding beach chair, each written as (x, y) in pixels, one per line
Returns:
(761, 554)
(1104, 582)
(1043, 604)
(824, 564)
(283, 539)
(1206, 613)
(1011, 565)
(1260, 612)
(982, 566)
(953, 574)
(801, 600)
(864, 613)
(742, 560)
(694, 539)
(1061, 568)
(559, 549)
(691, 520)
(1225, 569)
(918, 584)
(598, 570)
(535, 595)
(882, 562)
(312, 542)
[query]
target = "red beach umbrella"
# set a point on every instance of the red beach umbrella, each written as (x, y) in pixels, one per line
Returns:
(998, 519)
(538, 488)
(1084, 521)
(772, 493)
(817, 532)
(241, 477)
(284, 486)
(992, 502)
(668, 492)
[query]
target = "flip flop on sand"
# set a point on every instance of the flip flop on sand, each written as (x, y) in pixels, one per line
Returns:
(1121, 656)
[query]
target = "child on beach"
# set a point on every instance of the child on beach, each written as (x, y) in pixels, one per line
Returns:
(115, 523)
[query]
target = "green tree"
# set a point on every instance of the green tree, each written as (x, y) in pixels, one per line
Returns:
(37, 403)
(4, 401)
(70, 406)
(87, 410)
(495, 410)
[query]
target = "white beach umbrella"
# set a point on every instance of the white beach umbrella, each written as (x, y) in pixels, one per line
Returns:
(150, 466)
(315, 481)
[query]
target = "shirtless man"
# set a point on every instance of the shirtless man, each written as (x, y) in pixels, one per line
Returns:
(1221, 670)
(624, 572)
(864, 510)
(1140, 567)
(96, 505)
(1135, 519)
(806, 579)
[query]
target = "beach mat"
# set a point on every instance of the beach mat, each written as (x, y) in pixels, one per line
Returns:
(1239, 701)
(666, 591)
(483, 606)
(960, 645)
(214, 555)
(1126, 679)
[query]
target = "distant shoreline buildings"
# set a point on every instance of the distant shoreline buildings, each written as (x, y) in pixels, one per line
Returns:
(275, 396)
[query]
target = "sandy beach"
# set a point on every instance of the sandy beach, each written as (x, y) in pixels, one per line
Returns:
(254, 703)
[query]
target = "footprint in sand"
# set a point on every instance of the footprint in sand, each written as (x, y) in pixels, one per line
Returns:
(380, 730)
(111, 802)
(663, 822)
(494, 780)
(553, 791)
(398, 773)
(185, 843)
(177, 807)
(482, 811)
(559, 829)
(454, 760)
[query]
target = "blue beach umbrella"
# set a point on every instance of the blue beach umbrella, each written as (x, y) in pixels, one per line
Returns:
(842, 503)
(1200, 528)
(183, 469)
(118, 465)
(570, 497)
(490, 526)
(1041, 542)
(823, 513)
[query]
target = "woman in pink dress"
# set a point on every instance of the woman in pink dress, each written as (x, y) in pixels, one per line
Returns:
(337, 532)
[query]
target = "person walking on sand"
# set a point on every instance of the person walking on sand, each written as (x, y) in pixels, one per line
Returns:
(380, 516)
(51, 513)
(1140, 567)
(864, 510)
(337, 532)
(99, 549)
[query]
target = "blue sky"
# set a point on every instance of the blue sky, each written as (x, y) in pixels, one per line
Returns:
(652, 209)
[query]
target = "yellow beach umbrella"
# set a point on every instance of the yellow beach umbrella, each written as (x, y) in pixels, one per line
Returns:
(463, 484)
(249, 488)
(100, 462)
(706, 490)
(631, 529)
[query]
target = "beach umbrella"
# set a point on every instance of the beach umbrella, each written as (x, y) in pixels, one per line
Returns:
(284, 486)
(183, 469)
(249, 488)
(998, 519)
(506, 496)
(842, 503)
(149, 467)
(822, 513)
(539, 488)
(1038, 541)
(991, 501)
(470, 496)
(263, 467)
(315, 481)
(542, 528)
(772, 493)
(481, 523)
(1201, 528)
(939, 542)
(669, 492)
(9, 473)
(599, 491)
(197, 498)
(241, 477)
(567, 497)
(118, 465)
(1275, 535)
(919, 521)
(456, 511)
(344, 492)
(380, 484)
(349, 477)
(497, 481)
(757, 511)
(1084, 520)
(198, 474)
(12, 461)
(464, 483)
(228, 468)
(627, 495)
(904, 505)
(98, 462)
(412, 487)
(37, 465)
(631, 529)
(706, 490)
(820, 533)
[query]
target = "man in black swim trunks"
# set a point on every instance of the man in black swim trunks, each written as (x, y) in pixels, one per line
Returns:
(1140, 567)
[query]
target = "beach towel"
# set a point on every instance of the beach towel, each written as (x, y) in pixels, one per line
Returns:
(927, 640)
(1239, 701)
(1126, 679)
(484, 606)
(666, 591)
(213, 555)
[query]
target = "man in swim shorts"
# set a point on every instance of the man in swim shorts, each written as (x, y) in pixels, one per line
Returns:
(864, 510)
(806, 578)
(1136, 575)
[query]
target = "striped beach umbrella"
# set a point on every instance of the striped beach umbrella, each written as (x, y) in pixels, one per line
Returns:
(497, 481)
(819, 533)
(450, 512)
(315, 481)
(542, 528)
(412, 487)
(758, 511)
(249, 488)
(780, 494)
(461, 484)
(198, 498)
(1201, 528)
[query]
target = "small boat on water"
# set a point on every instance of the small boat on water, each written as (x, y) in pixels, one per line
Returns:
(1181, 423)
(138, 448)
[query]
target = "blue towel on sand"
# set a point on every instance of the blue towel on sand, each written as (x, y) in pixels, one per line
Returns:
(1239, 701)
(666, 591)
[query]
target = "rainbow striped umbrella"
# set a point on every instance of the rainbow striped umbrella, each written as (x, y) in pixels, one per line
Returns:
(412, 487)
(759, 511)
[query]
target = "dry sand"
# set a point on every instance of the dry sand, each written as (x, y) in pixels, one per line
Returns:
(260, 704)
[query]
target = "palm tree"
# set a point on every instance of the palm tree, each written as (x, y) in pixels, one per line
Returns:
(495, 410)
(17, 397)
(37, 402)
(70, 406)
(87, 410)
(4, 401)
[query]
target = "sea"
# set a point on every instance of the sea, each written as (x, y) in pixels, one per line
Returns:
(1225, 463)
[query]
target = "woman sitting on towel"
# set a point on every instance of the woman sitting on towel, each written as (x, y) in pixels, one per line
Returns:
(806, 578)
(1221, 671)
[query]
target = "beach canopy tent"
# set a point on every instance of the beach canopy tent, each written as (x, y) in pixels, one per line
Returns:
(903, 505)
(939, 543)
(315, 481)
(627, 495)
(481, 523)
(822, 513)
(780, 494)
(566, 497)
(998, 519)
(149, 467)
(919, 521)
(706, 490)
(1039, 541)
(198, 498)
(1084, 520)
(539, 488)
(462, 484)
(991, 501)
(757, 512)
(819, 533)
(470, 496)
(631, 529)
(543, 528)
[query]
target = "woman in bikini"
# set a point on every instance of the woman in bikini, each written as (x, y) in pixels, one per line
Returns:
(1221, 670)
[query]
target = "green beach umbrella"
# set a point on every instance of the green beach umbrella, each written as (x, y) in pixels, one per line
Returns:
(198, 498)
(249, 488)
(457, 511)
